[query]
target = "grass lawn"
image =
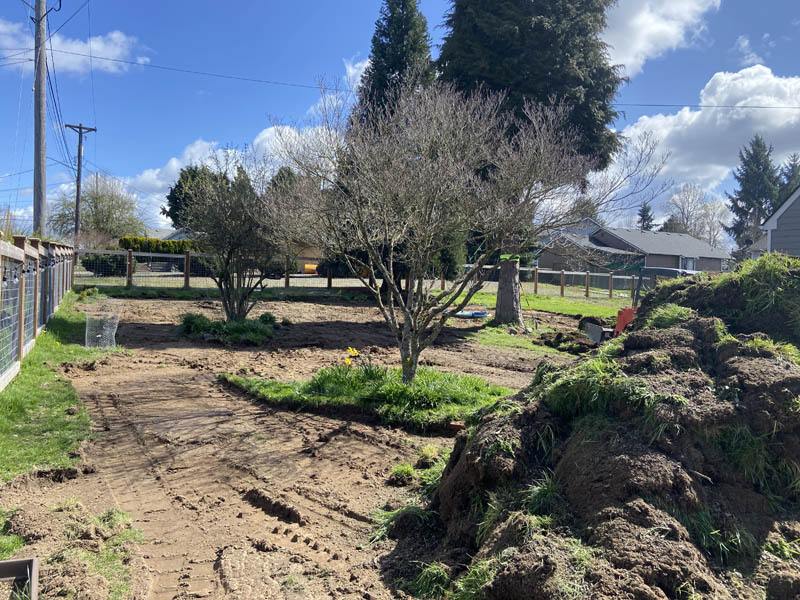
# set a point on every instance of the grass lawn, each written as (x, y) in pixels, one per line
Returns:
(37, 429)
(499, 337)
(585, 307)
(431, 401)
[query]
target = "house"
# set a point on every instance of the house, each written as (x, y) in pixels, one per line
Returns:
(783, 227)
(592, 246)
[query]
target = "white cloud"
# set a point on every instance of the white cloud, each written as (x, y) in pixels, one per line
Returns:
(71, 55)
(704, 143)
(354, 71)
(639, 31)
(749, 57)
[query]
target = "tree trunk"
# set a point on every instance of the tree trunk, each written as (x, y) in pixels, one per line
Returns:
(409, 356)
(509, 291)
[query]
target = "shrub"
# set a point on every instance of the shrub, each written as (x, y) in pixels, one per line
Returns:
(139, 243)
(107, 265)
(252, 332)
(267, 318)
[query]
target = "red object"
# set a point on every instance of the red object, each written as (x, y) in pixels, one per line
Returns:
(624, 318)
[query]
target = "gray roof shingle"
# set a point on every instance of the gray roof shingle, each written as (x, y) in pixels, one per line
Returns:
(674, 244)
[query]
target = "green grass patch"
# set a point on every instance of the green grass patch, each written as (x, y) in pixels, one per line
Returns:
(9, 543)
(111, 559)
(432, 400)
(244, 332)
(432, 583)
(42, 421)
(402, 475)
(782, 350)
(667, 315)
(500, 338)
(430, 478)
(544, 497)
(472, 585)
(385, 520)
(587, 307)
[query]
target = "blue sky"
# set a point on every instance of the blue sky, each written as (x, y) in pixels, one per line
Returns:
(151, 122)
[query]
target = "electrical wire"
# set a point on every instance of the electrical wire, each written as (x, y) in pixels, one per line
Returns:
(91, 74)
(337, 89)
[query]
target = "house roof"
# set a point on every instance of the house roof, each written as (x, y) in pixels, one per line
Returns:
(584, 241)
(661, 242)
(772, 220)
(159, 234)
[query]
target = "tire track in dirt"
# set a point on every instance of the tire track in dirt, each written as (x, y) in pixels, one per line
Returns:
(183, 455)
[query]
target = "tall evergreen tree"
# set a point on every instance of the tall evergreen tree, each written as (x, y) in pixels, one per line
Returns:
(673, 225)
(539, 51)
(646, 219)
(400, 45)
(790, 178)
(757, 196)
(181, 194)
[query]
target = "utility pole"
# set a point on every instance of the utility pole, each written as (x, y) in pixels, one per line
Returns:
(40, 122)
(80, 129)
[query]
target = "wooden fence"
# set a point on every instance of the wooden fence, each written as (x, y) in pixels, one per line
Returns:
(36, 275)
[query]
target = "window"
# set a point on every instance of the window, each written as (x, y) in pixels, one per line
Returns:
(687, 264)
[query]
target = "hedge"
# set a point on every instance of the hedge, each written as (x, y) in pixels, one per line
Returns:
(144, 244)
(107, 265)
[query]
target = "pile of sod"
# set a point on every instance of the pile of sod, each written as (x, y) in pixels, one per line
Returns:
(430, 402)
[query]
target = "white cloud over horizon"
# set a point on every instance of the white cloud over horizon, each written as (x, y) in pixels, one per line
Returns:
(640, 31)
(70, 55)
(704, 143)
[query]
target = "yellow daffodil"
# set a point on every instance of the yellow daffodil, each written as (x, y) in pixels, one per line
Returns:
(352, 352)
(348, 361)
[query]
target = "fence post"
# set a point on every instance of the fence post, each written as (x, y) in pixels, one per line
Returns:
(562, 283)
(611, 284)
(64, 277)
(330, 278)
(587, 284)
(633, 287)
(19, 242)
(444, 280)
(287, 266)
(187, 263)
(129, 272)
(536, 281)
(36, 283)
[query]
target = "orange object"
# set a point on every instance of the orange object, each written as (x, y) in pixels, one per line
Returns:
(624, 318)
(310, 269)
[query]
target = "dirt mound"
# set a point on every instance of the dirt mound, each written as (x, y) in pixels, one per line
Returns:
(763, 295)
(666, 466)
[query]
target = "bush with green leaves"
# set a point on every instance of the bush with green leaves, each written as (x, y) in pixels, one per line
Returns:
(107, 265)
(247, 332)
(139, 243)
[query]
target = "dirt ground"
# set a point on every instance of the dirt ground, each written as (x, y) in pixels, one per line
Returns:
(237, 500)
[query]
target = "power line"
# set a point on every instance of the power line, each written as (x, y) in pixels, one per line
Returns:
(336, 89)
(91, 72)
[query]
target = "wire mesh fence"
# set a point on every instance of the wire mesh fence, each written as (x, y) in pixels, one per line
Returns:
(116, 268)
(29, 330)
(35, 277)
(9, 316)
(102, 319)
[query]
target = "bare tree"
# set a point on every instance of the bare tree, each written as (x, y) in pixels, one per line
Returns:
(220, 216)
(108, 211)
(394, 188)
(631, 179)
(687, 206)
(714, 217)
